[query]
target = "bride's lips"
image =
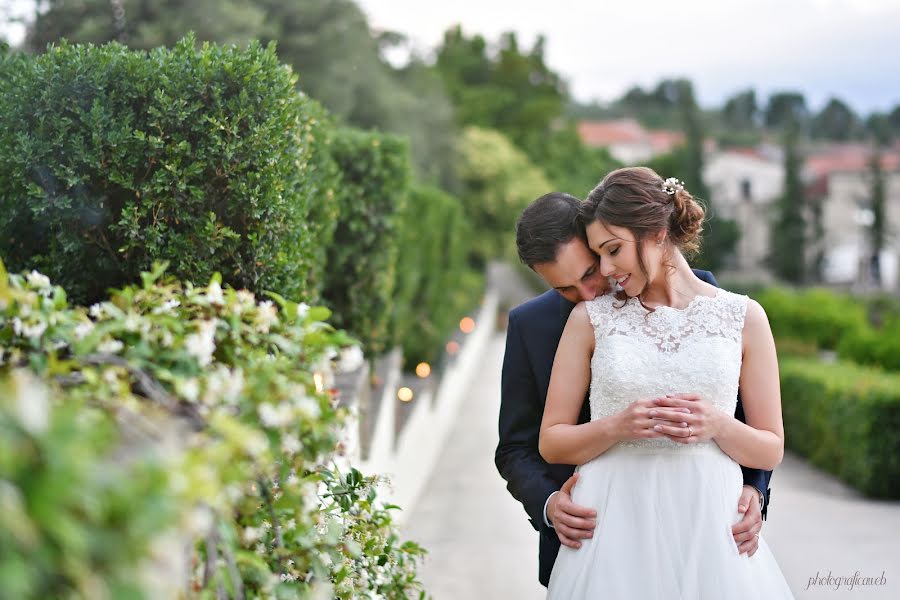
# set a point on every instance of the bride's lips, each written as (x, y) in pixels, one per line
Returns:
(622, 282)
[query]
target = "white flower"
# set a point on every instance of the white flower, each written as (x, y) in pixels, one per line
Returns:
(37, 281)
(351, 359)
(256, 444)
(308, 407)
(96, 311)
(290, 525)
(288, 577)
(189, 388)
(166, 339)
(266, 316)
(34, 332)
(110, 346)
(275, 416)
(167, 306)
(225, 385)
(83, 329)
(202, 344)
(266, 525)
(17, 326)
(672, 185)
(132, 322)
(302, 310)
(214, 294)
(32, 405)
(198, 521)
(290, 444)
(251, 535)
(110, 376)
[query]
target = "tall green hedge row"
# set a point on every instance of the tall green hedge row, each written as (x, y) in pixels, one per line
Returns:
(816, 316)
(210, 159)
(844, 418)
(434, 287)
(111, 159)
(362, 260)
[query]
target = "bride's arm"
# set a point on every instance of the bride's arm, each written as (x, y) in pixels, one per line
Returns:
(561, 440)
(759, 443)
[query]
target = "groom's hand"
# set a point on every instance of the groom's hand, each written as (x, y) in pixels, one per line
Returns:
(746, 531)
(571, 521)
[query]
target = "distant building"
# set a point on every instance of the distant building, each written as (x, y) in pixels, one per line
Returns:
(839, 180)
(627, 140)
(746, 183)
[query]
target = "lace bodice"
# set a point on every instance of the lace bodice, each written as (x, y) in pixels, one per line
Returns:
(640, 354)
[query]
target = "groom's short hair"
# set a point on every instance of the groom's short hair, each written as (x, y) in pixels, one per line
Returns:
(545, 225)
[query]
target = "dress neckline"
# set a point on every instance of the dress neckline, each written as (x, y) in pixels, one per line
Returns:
(698, 298)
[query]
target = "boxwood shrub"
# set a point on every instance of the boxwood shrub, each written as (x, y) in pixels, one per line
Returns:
(208, 158)
(362, 260)
(845, 419)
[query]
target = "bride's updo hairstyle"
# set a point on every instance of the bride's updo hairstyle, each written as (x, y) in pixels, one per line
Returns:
(639, 200)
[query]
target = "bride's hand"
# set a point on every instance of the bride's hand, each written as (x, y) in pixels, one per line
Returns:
(701, 421)
(636, 422)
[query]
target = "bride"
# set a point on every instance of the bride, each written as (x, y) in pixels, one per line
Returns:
(663, 474)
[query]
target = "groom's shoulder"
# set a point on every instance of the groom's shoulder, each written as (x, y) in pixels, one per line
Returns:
(706, 276)
(538, 307)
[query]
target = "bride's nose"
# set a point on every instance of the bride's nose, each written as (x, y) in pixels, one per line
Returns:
(606, 269)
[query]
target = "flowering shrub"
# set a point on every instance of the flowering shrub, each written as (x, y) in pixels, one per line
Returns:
(223, 441)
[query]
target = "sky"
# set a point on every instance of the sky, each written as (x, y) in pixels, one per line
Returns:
(824, 48)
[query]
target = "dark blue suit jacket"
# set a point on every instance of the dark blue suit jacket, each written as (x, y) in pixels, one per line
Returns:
(533, 334)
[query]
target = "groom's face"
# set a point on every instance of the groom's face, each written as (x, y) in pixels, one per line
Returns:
(575, 273)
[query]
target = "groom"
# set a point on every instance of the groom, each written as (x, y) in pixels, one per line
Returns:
(551, 243)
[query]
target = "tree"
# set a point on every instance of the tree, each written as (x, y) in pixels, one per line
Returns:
(878, 127)
(786, 109)
(788, 242)
(894, 120)
(513, 91)
(836, 121)
(327, 42)
(144, 23)
(499, 182)
(877, 230)
(741, 111)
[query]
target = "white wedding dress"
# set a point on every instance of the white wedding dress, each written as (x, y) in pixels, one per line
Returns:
(664, 510)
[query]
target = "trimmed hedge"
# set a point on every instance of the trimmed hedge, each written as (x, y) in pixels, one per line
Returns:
(362, 261)
(845, 419)
(434, 285)
(208, 158)
(815, 315)
(877, 347)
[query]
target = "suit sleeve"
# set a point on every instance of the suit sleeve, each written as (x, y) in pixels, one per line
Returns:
(755, 477)
(517, 457)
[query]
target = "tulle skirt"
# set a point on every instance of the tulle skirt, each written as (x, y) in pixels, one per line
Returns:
(664, 522)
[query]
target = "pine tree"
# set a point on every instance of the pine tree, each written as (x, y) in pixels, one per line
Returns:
(788, 242)
(877, 230)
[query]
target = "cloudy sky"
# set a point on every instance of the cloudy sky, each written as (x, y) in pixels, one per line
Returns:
(848, 48)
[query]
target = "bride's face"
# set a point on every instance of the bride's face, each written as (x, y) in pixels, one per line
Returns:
(618, 252)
